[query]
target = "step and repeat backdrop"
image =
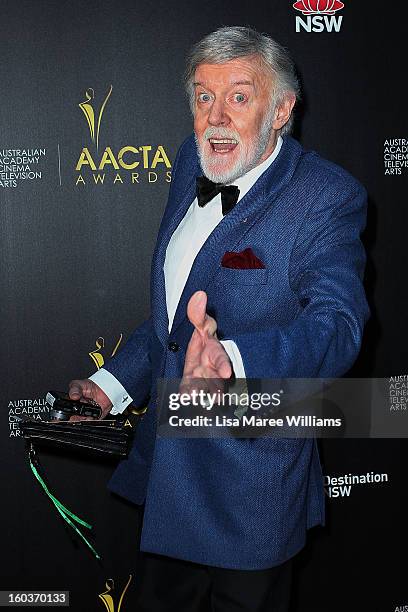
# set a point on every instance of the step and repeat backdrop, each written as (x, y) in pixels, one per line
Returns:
(92, 113)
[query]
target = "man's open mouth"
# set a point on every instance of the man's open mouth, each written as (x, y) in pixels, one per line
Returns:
(223, 145)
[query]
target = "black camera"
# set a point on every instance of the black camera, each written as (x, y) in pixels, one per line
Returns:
(62, 407)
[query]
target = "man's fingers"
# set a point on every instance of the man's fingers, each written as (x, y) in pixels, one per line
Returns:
(85, 390)
(190, 384)
(210, 361)
(221, 363)
(225, 369)
(215, 359)
(210, 326)
(193, 354)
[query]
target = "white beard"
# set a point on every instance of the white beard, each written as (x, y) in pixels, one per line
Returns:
(248, 158)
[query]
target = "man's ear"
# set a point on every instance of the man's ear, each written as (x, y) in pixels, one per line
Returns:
(283, 111)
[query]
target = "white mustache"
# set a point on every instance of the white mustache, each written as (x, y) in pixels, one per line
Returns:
(220, 132)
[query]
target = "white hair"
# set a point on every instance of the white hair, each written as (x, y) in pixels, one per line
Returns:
(232, 42)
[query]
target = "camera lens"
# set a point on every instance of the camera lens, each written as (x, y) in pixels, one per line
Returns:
(58, 415)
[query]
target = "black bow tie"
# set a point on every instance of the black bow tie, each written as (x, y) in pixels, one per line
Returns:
(207, 190)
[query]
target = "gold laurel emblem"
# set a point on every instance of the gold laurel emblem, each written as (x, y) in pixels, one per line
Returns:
(89, 112)
(107, 598)
(97, 356)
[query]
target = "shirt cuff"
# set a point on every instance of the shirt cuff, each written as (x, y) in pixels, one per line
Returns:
(235, 356)
(114, 390)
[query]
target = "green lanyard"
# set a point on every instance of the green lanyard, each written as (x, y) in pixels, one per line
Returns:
(64, 512)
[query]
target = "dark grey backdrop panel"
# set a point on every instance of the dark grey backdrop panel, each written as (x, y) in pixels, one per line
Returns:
(76, 254)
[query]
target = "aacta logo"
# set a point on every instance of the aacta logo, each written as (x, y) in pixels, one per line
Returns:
(97, 355)
(126, 163)
(319, 15)
(89, 112)
(108, 597)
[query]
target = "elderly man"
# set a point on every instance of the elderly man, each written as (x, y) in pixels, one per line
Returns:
(256, 273)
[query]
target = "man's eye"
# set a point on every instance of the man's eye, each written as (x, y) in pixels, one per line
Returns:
(239, 97)
(204, 97)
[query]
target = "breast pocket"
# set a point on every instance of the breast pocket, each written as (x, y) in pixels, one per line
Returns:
(235, 276)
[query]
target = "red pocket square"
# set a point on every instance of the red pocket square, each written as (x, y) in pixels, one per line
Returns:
(244, 260)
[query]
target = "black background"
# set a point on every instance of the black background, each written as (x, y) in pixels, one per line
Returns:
(75, 263)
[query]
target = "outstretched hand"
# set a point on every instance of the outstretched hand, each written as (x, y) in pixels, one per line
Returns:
(206, 358)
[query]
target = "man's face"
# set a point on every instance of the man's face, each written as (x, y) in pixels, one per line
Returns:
(233, 120)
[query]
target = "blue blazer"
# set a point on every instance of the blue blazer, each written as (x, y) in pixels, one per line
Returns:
(245, 503)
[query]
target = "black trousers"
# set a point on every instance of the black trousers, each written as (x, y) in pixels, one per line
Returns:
(172, 585)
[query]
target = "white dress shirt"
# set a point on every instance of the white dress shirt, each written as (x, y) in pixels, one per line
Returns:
(184, 245)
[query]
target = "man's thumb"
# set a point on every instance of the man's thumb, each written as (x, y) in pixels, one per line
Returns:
(196, 309)
(75, 392)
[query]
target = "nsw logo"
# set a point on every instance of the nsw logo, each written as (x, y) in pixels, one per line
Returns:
(318, 15)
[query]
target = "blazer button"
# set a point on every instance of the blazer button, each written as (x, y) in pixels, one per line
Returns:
(173, 346)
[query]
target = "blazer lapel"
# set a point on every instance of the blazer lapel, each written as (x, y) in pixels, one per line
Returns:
(172, 217)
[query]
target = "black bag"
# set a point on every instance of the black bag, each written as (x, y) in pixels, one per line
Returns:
(98, 437)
